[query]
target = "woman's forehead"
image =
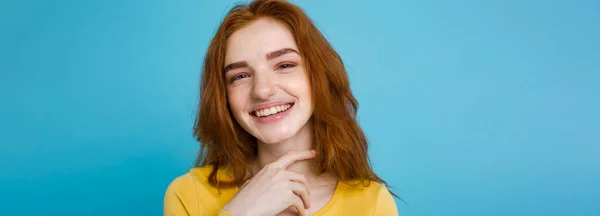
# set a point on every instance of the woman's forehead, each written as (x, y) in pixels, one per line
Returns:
(256, 40)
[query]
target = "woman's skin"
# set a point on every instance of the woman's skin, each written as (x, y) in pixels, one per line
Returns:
(265, 75)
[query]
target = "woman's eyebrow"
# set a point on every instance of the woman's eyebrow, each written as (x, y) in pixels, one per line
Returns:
(280, 52)
(271, 55)
(235, 65)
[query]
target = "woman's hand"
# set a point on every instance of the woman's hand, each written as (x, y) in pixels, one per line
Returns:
(273, 189)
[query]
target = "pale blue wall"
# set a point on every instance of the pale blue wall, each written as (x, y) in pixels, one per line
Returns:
(471, 107)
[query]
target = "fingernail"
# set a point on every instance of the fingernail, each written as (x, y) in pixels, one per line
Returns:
(313, 151)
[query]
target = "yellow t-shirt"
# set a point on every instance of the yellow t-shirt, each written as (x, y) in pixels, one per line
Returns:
(192, 195)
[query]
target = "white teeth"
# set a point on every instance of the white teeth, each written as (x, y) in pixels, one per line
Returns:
(271, 110)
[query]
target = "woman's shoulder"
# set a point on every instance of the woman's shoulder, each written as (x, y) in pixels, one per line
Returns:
(368, 193)
(189, 181)
(191, 193)
(195, 178)
(362, 188)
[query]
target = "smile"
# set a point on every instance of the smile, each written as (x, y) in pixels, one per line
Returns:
(272, 110)
(271, 114)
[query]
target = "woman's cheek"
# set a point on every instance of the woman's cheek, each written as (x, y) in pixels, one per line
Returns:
(236, 99)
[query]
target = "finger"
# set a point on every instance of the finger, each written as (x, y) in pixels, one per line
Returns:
(302, 192)
(296, 177)
(245, 183)
(292, 156)
(298, 205)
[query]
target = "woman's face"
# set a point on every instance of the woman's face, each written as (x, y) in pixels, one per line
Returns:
(267, 87)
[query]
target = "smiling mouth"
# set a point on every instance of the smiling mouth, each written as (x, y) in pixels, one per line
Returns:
(269, 111)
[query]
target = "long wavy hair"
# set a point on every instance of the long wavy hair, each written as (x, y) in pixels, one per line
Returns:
(340, 143)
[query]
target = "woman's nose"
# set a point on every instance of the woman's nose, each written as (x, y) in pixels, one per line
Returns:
(264, 85)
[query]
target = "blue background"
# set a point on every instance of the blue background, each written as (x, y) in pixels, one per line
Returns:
(471, 107)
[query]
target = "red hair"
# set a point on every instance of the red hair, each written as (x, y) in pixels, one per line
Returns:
(340, 143)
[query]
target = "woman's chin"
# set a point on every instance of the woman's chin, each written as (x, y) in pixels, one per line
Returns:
(274, 138)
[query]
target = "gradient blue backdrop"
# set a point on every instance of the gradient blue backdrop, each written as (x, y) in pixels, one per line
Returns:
(471, 107)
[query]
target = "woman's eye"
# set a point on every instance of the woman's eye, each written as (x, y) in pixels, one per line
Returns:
(241, 76)
(284, 66)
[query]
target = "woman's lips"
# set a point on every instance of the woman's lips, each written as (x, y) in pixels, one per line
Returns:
(272, 114)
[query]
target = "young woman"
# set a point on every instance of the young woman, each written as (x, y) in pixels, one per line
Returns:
(277, 125)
